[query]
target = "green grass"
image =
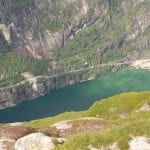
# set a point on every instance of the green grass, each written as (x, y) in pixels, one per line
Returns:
(120, 135)
(136, 124)
(43, 123)
(110, 109)
(18, 4)
(124, 103)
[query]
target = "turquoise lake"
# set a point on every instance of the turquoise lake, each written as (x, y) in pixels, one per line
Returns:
(78, 96)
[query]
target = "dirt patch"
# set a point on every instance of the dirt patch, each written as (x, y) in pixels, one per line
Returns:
(7, 144)
(124, 115)
(62, 125)
(14, 132)
(84, 125)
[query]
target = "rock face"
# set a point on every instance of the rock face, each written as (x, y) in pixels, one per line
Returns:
(68, 40)
(26, 28)
(6, 33)
(25, 42)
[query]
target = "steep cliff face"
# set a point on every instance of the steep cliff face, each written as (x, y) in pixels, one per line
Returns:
(33, 27)
(66, 41)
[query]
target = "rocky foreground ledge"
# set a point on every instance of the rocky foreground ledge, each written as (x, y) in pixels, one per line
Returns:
(25, 138)
(117, 123)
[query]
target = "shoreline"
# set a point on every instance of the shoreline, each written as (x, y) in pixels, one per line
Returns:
(141, 64)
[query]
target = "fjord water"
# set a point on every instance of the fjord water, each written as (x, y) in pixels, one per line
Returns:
(78, 96)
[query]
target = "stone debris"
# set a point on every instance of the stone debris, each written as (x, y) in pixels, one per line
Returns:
(145, 107)
(139, 143)
(62, 125)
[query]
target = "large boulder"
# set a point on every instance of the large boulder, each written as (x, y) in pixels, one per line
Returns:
(139, 143)
(35, 141)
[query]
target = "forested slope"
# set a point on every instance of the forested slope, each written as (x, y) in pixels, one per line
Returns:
(50, 38)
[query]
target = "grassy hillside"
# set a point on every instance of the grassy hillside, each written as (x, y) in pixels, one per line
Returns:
(122, 116)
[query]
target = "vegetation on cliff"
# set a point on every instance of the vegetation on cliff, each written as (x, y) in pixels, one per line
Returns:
(77, 34)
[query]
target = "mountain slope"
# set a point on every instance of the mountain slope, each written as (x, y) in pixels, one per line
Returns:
(67, 41)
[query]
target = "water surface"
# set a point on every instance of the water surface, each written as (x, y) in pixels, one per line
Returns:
(78, 96)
